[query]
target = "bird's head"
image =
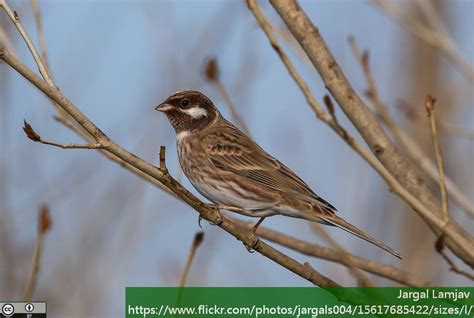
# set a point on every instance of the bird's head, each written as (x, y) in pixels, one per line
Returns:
(189, 111)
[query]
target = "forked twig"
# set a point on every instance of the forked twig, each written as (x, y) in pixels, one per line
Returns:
(31, 134)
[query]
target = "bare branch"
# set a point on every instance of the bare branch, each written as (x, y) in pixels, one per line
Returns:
(412, 149)
(44, 224)
(40, 34)
(13, 15)
(209, 213)
(30, 133)
(63, 118)
(409, 183)
(439, 246)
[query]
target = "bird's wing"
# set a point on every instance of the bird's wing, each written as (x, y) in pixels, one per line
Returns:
(233, 151)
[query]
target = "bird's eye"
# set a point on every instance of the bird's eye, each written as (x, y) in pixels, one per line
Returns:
(184, 102)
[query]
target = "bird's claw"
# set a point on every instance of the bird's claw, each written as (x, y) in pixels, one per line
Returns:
(219, 219)
(199, 221)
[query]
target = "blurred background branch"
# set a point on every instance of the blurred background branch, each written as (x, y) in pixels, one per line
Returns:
(434, 35)
(44, 224)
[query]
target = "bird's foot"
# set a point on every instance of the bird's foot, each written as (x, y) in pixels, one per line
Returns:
(220, 207)
(254, 246)
(219, 219)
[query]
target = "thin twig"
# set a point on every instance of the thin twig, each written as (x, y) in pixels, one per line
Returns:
(435, 38)
(40, 34)
(445, 127)
(13, 15)
(163, 168)
(63, 118)
(31, 134)
(198, 238)
(44, 224)
(439, 246)
(429, 105)
(412, 149)
(402, 177)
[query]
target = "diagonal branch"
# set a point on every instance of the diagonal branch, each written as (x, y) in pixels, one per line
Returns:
(412, 149)
(63, 118)
(207, 212)
(411, 183)
(140, 167)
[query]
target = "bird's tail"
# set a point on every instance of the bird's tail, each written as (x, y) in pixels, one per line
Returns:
(334, 220)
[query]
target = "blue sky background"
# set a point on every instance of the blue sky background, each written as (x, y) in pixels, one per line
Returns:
(116, 60)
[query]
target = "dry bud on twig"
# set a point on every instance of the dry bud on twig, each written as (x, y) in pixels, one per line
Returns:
(30, 132)
(44, 219)
(211, 69)
(198, 238)
(429, 103)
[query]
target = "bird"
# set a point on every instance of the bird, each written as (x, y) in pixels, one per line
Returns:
(232, 171)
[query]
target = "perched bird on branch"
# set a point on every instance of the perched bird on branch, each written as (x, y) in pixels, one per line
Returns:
(236, 174)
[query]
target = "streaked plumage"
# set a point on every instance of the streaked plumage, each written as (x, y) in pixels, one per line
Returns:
(230, 169)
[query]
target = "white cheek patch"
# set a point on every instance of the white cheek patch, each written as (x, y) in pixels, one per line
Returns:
(195, 112)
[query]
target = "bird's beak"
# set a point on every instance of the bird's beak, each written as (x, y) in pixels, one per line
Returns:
(163, 107)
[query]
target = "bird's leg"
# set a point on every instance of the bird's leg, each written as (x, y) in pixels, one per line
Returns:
(218, 207)
(255, 227)
(226, 207)
(253, 246)
(229, 208)
(256, 242)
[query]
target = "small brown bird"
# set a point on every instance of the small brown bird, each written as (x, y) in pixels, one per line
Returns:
(233, 172)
